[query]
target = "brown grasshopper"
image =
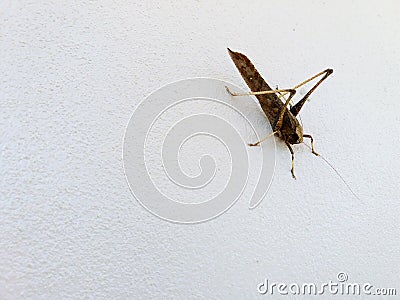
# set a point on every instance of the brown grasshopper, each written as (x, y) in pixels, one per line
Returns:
(283, 121)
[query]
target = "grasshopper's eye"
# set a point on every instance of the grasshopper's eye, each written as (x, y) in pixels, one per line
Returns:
(294, 138)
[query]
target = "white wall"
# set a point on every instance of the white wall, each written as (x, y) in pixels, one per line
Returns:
(71, 76)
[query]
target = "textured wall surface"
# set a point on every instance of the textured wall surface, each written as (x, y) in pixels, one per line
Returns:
(71, 75)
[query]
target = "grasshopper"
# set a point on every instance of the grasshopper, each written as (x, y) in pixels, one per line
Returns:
(283, 121)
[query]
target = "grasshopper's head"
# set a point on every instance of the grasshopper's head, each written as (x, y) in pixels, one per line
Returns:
(296, 136)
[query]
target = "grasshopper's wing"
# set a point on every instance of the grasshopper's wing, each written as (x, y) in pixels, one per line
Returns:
(270, 103)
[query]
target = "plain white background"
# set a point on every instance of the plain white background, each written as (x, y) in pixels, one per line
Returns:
(71, 75)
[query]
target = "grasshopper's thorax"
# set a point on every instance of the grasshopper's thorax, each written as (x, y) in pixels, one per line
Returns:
(291, 131)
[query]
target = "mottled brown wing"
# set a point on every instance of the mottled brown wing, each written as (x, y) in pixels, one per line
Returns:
(270, 103)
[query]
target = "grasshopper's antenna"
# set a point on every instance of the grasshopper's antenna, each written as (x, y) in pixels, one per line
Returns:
(337, 172)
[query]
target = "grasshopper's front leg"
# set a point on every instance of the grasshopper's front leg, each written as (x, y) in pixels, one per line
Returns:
(312, 143)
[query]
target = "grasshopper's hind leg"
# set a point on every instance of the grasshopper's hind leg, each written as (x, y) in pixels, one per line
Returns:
(279, 120)
(291, 91)
(296, 108)
(292, 152)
